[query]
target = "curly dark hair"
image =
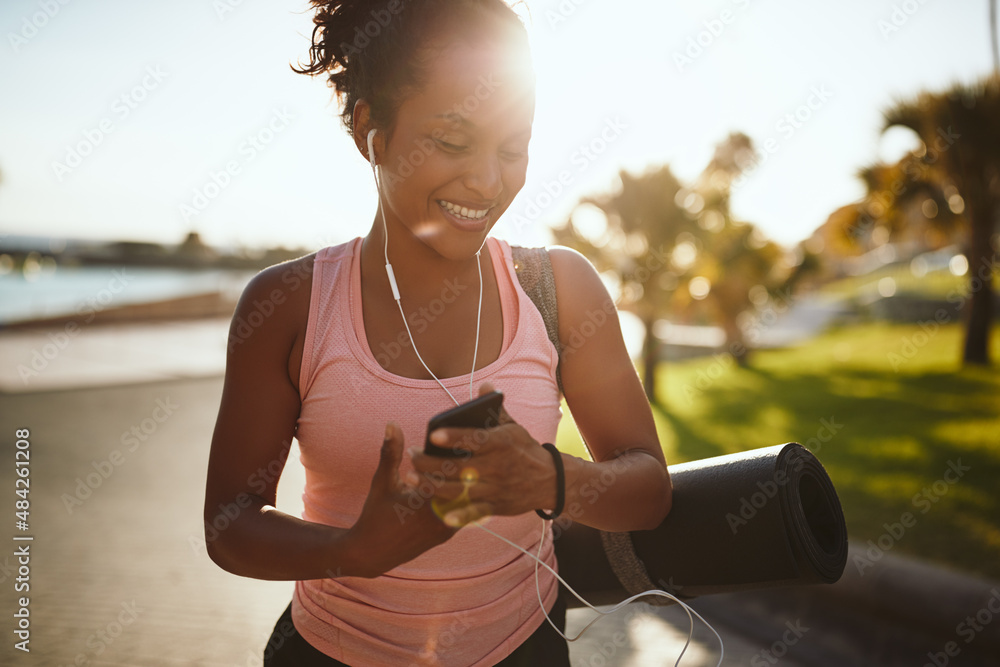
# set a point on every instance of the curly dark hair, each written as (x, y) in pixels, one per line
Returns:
(376, 50)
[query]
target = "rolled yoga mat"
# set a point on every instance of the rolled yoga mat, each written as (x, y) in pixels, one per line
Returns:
(757, 519)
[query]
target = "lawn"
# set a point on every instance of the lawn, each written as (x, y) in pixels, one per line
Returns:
(905, 408)
(939, 284)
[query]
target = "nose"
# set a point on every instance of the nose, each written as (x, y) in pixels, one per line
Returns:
(485, 177)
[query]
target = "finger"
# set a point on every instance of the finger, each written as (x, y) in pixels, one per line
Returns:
(442, 507)
(456, 495)
(466, 515)
(478, 441)
(440, 467)
(387, 473)
(467, 493)
(485, 388)
(465, 439)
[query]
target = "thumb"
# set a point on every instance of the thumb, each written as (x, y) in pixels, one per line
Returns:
(387, 473)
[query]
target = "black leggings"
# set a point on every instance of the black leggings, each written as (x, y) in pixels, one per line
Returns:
(287, 648)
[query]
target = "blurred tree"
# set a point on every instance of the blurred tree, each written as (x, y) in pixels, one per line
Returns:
(951, 182)
(671, 248)
(741, 269)
(632, 244)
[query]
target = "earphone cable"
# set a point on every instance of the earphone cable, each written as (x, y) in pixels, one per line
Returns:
(537, 559)
(395, 288)
(618, 606)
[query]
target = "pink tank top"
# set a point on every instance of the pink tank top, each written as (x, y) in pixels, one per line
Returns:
(471, 600)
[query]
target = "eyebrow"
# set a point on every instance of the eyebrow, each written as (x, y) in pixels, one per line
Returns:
(454, 117)
(459, 119)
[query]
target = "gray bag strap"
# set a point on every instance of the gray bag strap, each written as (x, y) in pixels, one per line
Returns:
(534, 272)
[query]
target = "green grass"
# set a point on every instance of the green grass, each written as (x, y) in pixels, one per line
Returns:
(905, 411)
(936, 284)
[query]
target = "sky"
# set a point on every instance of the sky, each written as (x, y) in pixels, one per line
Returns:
(145, 121)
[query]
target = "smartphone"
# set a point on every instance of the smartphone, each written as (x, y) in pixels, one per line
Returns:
(482, 412)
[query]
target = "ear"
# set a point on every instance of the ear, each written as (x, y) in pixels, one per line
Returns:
(362, 126)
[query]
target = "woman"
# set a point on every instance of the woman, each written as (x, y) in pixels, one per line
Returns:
(444, 90)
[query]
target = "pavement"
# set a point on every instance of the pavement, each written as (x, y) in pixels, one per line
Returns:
(119, 576)
(80, 356)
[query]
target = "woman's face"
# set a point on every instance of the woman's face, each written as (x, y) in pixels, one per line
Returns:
(459, 149)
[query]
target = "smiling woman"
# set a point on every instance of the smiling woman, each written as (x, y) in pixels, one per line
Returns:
(439, 96)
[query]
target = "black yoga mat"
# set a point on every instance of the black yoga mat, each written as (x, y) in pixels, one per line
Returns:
(762, 518)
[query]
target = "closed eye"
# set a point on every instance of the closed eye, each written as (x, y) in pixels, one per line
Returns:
(453, 148)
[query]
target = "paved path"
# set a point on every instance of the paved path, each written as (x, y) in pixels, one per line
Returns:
(111, 354)
(128, 549)
(134, 542)
(119, 576)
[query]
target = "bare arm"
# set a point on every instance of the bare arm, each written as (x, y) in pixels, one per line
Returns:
(626, 486)
(245, 533)
(252, 436)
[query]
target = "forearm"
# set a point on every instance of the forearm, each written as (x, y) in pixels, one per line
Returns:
(630, 492)
(264, 543)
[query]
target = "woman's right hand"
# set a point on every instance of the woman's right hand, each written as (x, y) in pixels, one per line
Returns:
(396, 524)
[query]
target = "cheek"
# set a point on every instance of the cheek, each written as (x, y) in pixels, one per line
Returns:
(413, 189)
(436, 171)
(514, 176)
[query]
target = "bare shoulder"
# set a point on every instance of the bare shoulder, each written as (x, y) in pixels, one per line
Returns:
(579, 287)
(283, 282)
(283, 288)
(271, 315)
(568, 260)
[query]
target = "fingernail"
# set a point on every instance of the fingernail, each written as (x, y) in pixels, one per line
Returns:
(412, 479)
(439, 437)
(453, 519)
(388, 431)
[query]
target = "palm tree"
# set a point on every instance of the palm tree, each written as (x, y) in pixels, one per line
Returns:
(746, 271)
(676, 249)
(950, 180)
(744, 268)
(643, 221)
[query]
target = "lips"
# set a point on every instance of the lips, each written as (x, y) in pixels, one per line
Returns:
(463, 217)
(464, 211)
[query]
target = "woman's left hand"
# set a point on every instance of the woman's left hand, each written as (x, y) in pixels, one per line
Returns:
(505, 471)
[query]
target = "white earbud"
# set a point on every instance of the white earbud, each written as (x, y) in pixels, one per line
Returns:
(371, 146)
(395, 288)
(388, 266)
(536, 558)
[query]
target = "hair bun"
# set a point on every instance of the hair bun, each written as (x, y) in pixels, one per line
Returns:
(370, 49)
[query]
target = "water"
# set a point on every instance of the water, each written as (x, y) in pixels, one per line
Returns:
(55, 291)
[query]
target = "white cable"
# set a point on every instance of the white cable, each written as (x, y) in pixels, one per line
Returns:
(395, 288)
(621, 604)
(479, 319)
(475, 353)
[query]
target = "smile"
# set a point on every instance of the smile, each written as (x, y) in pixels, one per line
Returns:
(463, 212)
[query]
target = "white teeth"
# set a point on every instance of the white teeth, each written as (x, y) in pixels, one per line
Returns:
(462, 211)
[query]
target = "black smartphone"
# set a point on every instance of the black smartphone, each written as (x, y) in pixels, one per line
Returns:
(482, 412)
